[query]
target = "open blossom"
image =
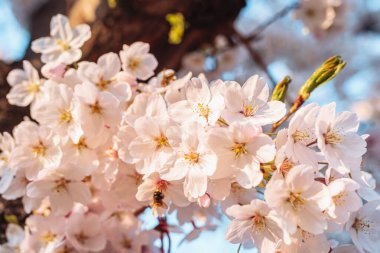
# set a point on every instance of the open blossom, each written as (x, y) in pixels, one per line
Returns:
(299, 200)
(249, 103)
(257, 222)
(200, 104)
(57, 115)
(26, 85)
(153, 138)
(106, 76)
(15, 235)
(63, 186)
(137, 60)
(240, 149)
(337, 138)
(96, 111)
(317, 16)
(64, 42)
(364, 227)
(301, 136)
(305, 242)
(195, 162)
(344, 199)
(108, 140)
(160, 193)
(84, 232)
(37, 149)
(48, 231)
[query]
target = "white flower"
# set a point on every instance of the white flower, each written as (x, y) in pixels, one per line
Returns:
(241, 148)
(64, 42)
(161, 193)
(200, 105)
(63, 186)
(85, 233)
(316, 15)
(26, 85)
(106, 75)
(150, 105)
(195, 162)
(49, 231)
(337, 138)
(137, 60)
(37, 149)
(153, 137)
(299, 200)
(305, 242)
(249, 103)
(15, 235)
(364, 227)
(256, 222)
(301, 136)
(7, 144)
(54, 108)
(344, 199)
(96, 111)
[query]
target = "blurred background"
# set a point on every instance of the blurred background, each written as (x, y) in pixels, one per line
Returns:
(228, 39)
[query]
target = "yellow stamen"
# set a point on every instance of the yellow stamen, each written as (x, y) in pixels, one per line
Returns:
(48, 237)
(332, 138)
(62, 44)
(258, 222)
(61, 184)
(192, 157)
(133, 63)
(39, 149)
(161, 141)
(65, 116)
(204, 111)
(239, 150)
(95, 108)
(296, 201)
(33, 87)
(299, 136)
(340, 198)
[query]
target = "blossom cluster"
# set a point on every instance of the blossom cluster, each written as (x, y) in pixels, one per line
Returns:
(108, 139)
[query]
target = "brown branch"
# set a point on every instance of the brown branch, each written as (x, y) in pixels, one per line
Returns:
(297, 104)
(282, 13)
(255, 56)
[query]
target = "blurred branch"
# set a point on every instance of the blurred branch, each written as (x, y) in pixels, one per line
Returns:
(256, 57)
(282, 13)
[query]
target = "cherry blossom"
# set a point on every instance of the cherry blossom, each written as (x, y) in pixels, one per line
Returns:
(299, 200)
(26, 85)
(64, 42)
(256, 222)
(249, 103)
(137, 60)
(337, 138)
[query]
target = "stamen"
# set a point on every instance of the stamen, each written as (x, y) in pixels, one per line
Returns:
(192, 157)
(296, 201)
(339, 199)
(62, 44)
(239, 149)
(39, 149)
(133, 63)
(161, 141)
(65, 116)
(33, 87)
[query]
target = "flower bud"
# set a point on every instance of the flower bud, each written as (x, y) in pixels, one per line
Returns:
(281, 88)
(327, 71)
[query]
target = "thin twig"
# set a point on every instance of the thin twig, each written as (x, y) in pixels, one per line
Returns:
(238, 251)
(255, 56)
(282, 13)
(169, 241)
